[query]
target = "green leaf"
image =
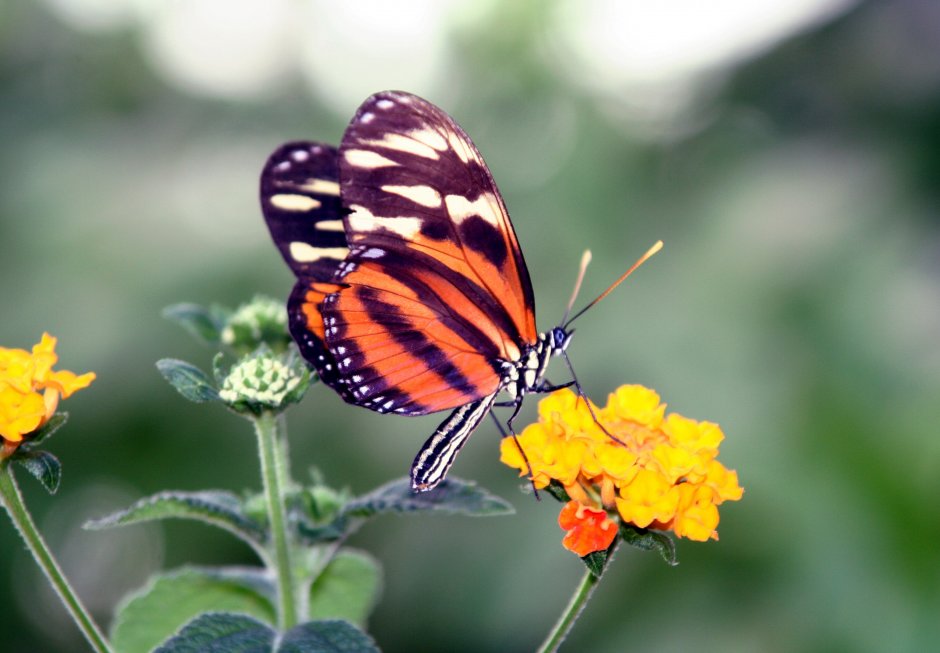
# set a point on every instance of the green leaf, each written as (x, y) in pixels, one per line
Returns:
(649, 540)
(43, 465)
(332, 636)
(221, 633)
(189, 380)
(205, 324)
(558, 491)
(597, 561)
(347, 589)
(51, 426)
(213, 507)
(171, 600)
(453, 496)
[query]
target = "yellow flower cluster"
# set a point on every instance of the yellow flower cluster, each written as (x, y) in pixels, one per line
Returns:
(30, 389)
(654, 470)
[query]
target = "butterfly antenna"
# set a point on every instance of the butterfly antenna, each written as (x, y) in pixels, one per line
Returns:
(585, 261)
(652, 250)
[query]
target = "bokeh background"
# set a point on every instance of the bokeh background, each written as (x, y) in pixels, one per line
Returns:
(788, 153)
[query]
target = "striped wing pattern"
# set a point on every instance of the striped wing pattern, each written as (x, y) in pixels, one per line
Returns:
(412, 294)
(301, 203)
(436, 293)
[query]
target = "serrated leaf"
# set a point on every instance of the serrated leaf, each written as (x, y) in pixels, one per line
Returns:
(347, 589)
(221, 633)
(45, 467)
(214, 507)
(649, 540)
(196, 320)
(189, 380)
(331, 636)
(173, 600)
(453, 496)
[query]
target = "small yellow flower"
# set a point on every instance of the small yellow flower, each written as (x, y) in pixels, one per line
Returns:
(30, 389)
(649, 469)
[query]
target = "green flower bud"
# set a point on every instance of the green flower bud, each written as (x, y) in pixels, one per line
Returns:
(264, 381)
(262, 320)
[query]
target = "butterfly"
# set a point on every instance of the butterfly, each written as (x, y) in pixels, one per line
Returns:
(412, 294)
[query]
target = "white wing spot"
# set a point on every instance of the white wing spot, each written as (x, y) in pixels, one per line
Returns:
(330, 225)
(367, 117)
(367, 159)
(361, 219)
(300, 155)
(460, 148)
(291, 202)
(429, 137)
(321, 186)
(306, 253)
(400, 143)
(373, 252)
(340, 350)
(420, 194)
(384, 104)
(282, 166)
(346, 361)
(357, 378)
(486, 206)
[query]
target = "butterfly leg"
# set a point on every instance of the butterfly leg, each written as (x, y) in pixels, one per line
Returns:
(581, 395)
(547, 386)
(518, 444)
(437, 455)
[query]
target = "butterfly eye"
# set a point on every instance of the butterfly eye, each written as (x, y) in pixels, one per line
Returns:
(560, 339)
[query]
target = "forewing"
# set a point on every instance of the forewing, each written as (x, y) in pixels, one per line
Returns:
(421, 197)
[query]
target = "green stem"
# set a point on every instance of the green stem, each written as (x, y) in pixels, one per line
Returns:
(13, 502)
(274, 477)
(566, 621)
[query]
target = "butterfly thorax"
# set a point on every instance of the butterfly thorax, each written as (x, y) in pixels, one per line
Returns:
(525, 374)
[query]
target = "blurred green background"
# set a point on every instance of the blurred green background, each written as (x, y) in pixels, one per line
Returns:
(788, 153)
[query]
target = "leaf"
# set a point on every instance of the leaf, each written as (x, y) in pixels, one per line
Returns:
(199, 321)
(45, 467)
(213, 507)
(331, 636)
(558, 491)
(189, 380)
(453, 496)
(347, 589)
(171, 600)
(596, 562)
(52, 425)
(650, 540)
(221, 632)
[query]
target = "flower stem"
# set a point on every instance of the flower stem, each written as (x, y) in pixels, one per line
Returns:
(274, 478)
(12, 500)
(566, 621)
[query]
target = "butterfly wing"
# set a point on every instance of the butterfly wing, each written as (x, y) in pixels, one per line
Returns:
(435, 290)
(300, 200)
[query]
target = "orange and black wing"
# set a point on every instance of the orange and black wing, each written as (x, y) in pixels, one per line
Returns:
(434, 294)
(300, 199)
